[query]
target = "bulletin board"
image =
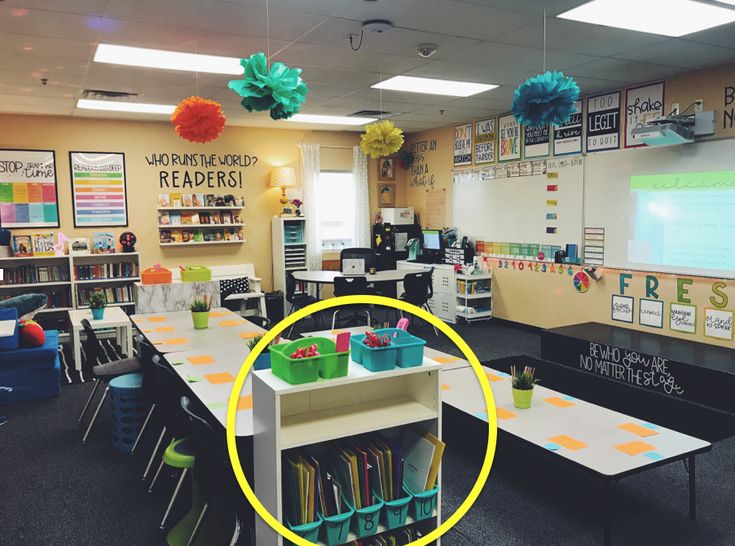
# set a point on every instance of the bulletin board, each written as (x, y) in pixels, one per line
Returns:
(435, 208)
(29, 196)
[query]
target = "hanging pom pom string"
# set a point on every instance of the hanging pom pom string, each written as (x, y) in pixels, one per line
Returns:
(198, 120)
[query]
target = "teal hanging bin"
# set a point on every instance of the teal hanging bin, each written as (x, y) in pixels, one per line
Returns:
(308, 531)
(423, 504)
(336, 529)
(409, 348)
(395, 512)
(375, 359)
(365, 521)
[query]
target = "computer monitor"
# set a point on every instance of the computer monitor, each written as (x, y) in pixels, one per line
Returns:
(432, 239)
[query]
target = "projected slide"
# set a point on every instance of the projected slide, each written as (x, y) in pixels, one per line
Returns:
(684, 220)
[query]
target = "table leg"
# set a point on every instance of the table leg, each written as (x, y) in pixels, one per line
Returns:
(76, 343)
(692, 488)
(607, 508)
(128, 331)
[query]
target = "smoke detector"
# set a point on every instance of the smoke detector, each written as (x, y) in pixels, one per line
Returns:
(426, 50)
(377, 25)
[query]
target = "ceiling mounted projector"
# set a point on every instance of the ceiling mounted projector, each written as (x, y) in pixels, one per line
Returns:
(672, 130)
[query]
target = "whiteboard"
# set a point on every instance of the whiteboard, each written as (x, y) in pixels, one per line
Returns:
(515, 209)
(609, 202)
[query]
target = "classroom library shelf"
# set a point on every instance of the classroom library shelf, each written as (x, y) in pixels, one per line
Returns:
(199, 226)
(196, 243)
(306, 416)
(200, 208)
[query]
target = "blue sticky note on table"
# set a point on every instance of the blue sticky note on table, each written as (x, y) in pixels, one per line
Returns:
(482, 415)
(502, 374)
(551, 446)
(569, 398)
(653, 455)
(649, 426)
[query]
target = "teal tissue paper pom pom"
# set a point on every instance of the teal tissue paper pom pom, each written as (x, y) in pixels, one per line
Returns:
(279, 89)
(545, 99)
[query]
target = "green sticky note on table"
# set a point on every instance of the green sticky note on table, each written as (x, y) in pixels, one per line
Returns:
(217, 405)
(193, 379)
(177, 362)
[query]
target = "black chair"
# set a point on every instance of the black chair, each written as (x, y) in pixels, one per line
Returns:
(352, 286)
(367, 254)
(214, 476)
(146, 352)
(298, 301)
(103, 369)
(419, 290)
(263, 322)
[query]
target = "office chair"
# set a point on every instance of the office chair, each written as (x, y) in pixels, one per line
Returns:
(367, 254)
(351, 286)
(298, 301)
(419, 290)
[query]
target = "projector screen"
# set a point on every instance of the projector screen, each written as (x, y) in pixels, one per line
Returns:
(684, 220)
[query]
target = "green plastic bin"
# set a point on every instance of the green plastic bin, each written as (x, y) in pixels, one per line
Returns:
(329, 364)
(196, 273)
(423, 504)
(335, 529)
(309, 531)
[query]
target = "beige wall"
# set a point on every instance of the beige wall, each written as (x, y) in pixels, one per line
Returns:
(137, 139)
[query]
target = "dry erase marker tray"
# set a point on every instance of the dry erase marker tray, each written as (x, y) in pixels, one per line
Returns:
(405, 351)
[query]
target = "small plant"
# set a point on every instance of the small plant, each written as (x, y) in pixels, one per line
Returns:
(254, 341)
(525, 380)
(201, 305)
(97, 300)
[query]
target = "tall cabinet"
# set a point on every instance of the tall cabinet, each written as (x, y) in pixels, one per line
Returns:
(289, 252)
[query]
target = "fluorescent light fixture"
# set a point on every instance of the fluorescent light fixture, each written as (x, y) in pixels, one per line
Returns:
(330, 120)
(728, 2)
(666, 17)
(432, 86)
(170, 60)
(114, 106)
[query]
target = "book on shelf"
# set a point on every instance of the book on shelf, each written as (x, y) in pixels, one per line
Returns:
(103, 242)
(197, 200)
(115, 294)
(186, 200)
(175, 199)
(43, 244)
(119, 270)
(165, 236)
(423, 454)
(30, 274)
(56, 298)
(22, 246)
(175, 218)
(164, 200)
(164, 219)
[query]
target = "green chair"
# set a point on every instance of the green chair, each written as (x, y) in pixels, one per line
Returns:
(178, 454)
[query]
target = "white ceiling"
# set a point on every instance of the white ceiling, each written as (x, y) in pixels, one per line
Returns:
(490, 41)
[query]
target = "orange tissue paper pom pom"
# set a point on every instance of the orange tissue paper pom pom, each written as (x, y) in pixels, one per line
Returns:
(198, 120)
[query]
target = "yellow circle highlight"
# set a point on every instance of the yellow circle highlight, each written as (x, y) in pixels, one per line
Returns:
(269, 336)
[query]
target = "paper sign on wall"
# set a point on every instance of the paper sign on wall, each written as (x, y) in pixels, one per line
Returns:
(568, 137)
(28, 195)
(683, 318)
(98, 187)
(509, 131)
(651, 313)
(485, 138)
(622, 308)
(603, 122)
(536, 141)
(718, 323)
(463, 144)
(641, 103)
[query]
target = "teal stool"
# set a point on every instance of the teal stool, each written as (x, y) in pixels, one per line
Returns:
(178, 454)
(129, 410)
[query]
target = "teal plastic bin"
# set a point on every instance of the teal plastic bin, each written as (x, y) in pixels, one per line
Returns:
(309, 531)
(423, 504)
(365, 521)
(335, 529)
(329, 364)
(375, 359)
(410, 349)
(395, 512)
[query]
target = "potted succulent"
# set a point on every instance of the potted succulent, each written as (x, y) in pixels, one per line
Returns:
(263, 360)
(97, 304)
(199, 308)
(523, 383)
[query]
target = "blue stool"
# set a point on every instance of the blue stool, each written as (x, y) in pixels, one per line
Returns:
(129, 410)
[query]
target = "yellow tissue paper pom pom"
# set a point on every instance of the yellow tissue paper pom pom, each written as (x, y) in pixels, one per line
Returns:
(381, 139)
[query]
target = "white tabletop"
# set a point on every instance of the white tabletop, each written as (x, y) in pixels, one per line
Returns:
(584, 433)
(327, 277)
(448, 362)
(114, 317)
(210, 374)
(174, 331)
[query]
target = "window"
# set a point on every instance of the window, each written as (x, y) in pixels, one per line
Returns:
(336, 194)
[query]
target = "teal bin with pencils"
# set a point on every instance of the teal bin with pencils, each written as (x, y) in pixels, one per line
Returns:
(409, 348)
(336, 529)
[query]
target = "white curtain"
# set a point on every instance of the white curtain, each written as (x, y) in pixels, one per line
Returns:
(362, 197)
(310, 169)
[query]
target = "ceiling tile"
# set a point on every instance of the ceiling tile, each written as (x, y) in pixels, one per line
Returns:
(37, 46)
(681, 53)
(717, 36)
(84, 7)
(620, 70)
(46, 23)
(514, 56)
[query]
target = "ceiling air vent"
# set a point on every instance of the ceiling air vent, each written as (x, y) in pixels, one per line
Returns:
(371, 114)
(99, 94)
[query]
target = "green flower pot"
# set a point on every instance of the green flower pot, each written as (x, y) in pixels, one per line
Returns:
(522, 398)
(201, 319)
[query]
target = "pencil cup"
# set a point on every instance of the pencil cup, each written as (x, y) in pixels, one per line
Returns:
(309, 531)
(336, 528)
(423, 504)
(395, 512)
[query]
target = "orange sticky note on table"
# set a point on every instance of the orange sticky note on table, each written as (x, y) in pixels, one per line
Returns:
(504, 413)
(568, 442)
(637, 429)
(492, 377)
(201, 359)
(249, 335)
(164, 329)
(445, 359)
(245, 402)
(335, 332)
(215, 314)
(156, 319)
(231, 322)
(634, 448)
(446, 387)
(219, 378)
(558, 402)
(175, 341)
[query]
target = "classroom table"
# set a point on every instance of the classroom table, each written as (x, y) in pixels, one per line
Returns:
(174, 332)
(320, 278)
(608, 444)
(114, 317)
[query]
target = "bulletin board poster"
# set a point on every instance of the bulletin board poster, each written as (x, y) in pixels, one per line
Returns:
(603, 122)
(98, 189)
(536, 141)
(568, 136)
(463, 145)
(28, 190)
(641, 103)
(509, 131)
(486, 136)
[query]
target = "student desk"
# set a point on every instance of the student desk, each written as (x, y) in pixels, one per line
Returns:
(175, 332)
(603, 442)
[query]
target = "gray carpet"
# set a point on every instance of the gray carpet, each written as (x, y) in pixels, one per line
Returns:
(57, 492)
